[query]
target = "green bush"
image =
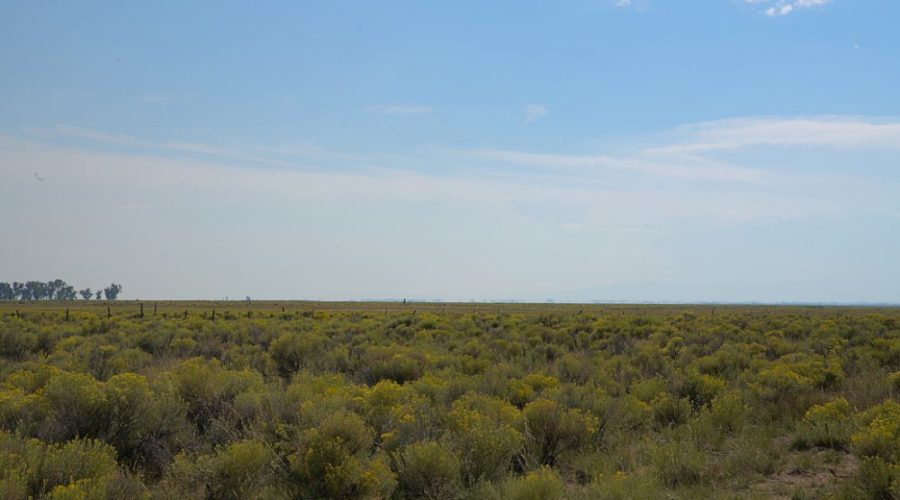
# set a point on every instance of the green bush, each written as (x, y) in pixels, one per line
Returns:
(701, 388)
(622, 486)
(335, 461)
(238, 470)
(894, 380)
(209, 390)
(875, 480)
(540, 484)
(679, 463)
(880, 435)
(828, 426)
(551, 430)
(32, 469)
(728, 412)
(670, 411)
(78, 406)
(485, 431)
(293, 351)
(16, 344)
(428, 470)
(385, 363)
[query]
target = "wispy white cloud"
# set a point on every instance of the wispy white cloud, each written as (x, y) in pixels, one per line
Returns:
(687, 152)
(393, 109)
(534, 112)
(693, 169)
(695, 151)
(735, 188)
(596, 206)
(623, 3)
(99, 136)
(775, 8)
(845, 132)
(269, 154)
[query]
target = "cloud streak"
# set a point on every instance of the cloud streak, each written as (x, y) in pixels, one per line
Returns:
(534, 112)
(840, 132)
(696, 169)
(688, 152)
(598, 206)
(779, 8)
(393, 109)
(282, 154)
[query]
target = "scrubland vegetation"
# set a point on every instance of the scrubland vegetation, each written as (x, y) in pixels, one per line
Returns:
(445, 402)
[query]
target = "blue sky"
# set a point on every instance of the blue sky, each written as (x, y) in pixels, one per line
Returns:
(643, 150)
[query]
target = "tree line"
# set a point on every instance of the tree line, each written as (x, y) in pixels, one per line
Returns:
(54, 290)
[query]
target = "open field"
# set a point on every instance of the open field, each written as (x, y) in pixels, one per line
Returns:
(288, 399)
(276, 308)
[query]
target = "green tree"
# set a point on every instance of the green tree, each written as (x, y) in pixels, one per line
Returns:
(6, 291)
(112, 291)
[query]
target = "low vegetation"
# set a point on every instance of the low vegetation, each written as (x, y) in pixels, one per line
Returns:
(448, 402)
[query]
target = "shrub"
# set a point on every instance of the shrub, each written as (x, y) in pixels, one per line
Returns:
(701, 389)
(484, 430)
(239, 469)
(629, 413)
(334, 461)
(77, 405)
(648, 389)
(728, 413)
(16, 344)
(379, 401)
(827, 426)
(428, 470)
(292, 351)
(623, 486)
(33, 469)
(209, 390)
(781, 381)
(386, 363)
(27, 413)
(551, 430)
(875, 479)
(541, 484)
(130, 403)
(880, 436)
(669, 411)
(894, 379)
(679, 463)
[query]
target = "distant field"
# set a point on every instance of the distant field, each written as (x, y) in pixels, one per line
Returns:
(291, 399)
(276, 307)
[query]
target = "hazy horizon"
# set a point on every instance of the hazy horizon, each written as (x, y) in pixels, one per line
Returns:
(731, 151)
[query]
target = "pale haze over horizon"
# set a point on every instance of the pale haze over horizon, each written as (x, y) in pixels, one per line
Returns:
(604, 150)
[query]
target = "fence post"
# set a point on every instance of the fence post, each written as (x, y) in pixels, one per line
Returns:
(142, 309)
(108, 313)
